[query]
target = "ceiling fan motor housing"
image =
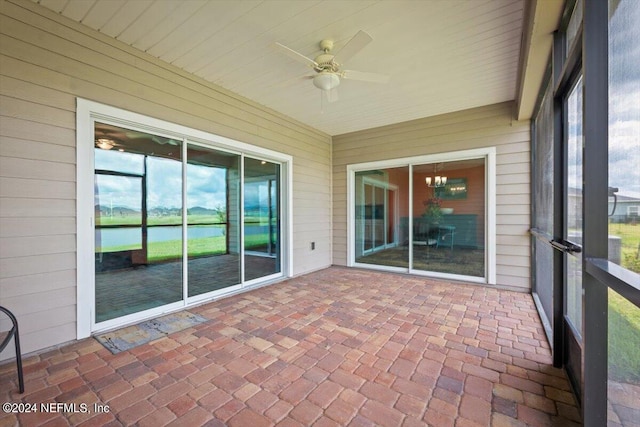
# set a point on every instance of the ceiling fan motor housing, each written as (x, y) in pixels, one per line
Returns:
(325, 63)
(325, 59)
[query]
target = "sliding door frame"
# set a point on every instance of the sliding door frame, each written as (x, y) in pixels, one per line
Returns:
(90, 112)
(488, 153)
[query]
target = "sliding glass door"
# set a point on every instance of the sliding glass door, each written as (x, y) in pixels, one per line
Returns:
(138, 223)
(213, 224)
(429, 217)
(448, 209)
(178, 221)
(261, 219)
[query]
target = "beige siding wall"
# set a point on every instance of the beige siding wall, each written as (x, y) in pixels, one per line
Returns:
(45, 63)
(479, 127)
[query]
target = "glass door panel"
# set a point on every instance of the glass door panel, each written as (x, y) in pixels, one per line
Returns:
(573, 195)
(261, 219)
(381, 217)
(118, 228)
(213, 220)
(448, 211)
(138, 205)
(571, 241)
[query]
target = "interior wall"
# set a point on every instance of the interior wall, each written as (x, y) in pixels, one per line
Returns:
(473, 203)
(487, 126)
(46, 61)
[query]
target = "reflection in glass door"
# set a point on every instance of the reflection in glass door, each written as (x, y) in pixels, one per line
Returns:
(449, 217)
(145, 258)
(165, 217)
(213, 200)
(573, 234)
(138, 217)
(381, 220)
(261, 219)
(424, 218)
(378, 216)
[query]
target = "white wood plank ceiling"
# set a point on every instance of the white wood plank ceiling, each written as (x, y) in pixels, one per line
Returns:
(441, 55)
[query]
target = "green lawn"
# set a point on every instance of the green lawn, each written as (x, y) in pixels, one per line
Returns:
(156, 220)
(624, 317)
(624, 340)
(172, 249)
(630, 234)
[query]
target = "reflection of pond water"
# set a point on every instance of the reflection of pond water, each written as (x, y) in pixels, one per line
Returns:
(132, 236)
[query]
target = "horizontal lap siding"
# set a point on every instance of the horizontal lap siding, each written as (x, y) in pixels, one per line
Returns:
(46, 62)
(475, 128)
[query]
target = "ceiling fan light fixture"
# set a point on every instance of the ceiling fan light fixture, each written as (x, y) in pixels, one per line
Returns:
(104, 143)
(326, 81)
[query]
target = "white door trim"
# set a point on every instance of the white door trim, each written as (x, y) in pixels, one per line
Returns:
(488, 153)
(87, 113)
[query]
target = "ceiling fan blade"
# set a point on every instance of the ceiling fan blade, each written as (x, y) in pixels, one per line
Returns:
(353, 46)
(295, 55)
(365, 77)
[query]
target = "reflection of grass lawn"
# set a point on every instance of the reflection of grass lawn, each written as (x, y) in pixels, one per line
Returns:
(630, 235)
(624, 340)
(156, 220)
(172, 249)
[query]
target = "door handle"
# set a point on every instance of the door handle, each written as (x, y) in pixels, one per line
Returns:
(566, 246)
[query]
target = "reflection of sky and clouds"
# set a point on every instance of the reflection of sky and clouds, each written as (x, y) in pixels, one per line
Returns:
(574, 151)
(118, 191)
(624, 98)
(206, 186)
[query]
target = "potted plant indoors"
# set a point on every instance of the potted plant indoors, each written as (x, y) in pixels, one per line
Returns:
(433, 211)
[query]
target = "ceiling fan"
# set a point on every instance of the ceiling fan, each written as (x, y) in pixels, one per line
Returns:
(328, 66)
(108, 137)
(156, 139)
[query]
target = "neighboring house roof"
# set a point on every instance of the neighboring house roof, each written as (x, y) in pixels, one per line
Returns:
(628, 199)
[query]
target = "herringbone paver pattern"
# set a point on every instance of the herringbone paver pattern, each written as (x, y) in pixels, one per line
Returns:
(335, 347)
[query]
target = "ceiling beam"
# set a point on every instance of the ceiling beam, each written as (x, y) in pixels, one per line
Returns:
(542, 18)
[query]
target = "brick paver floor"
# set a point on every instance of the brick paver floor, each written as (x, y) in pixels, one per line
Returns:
(335, 347)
